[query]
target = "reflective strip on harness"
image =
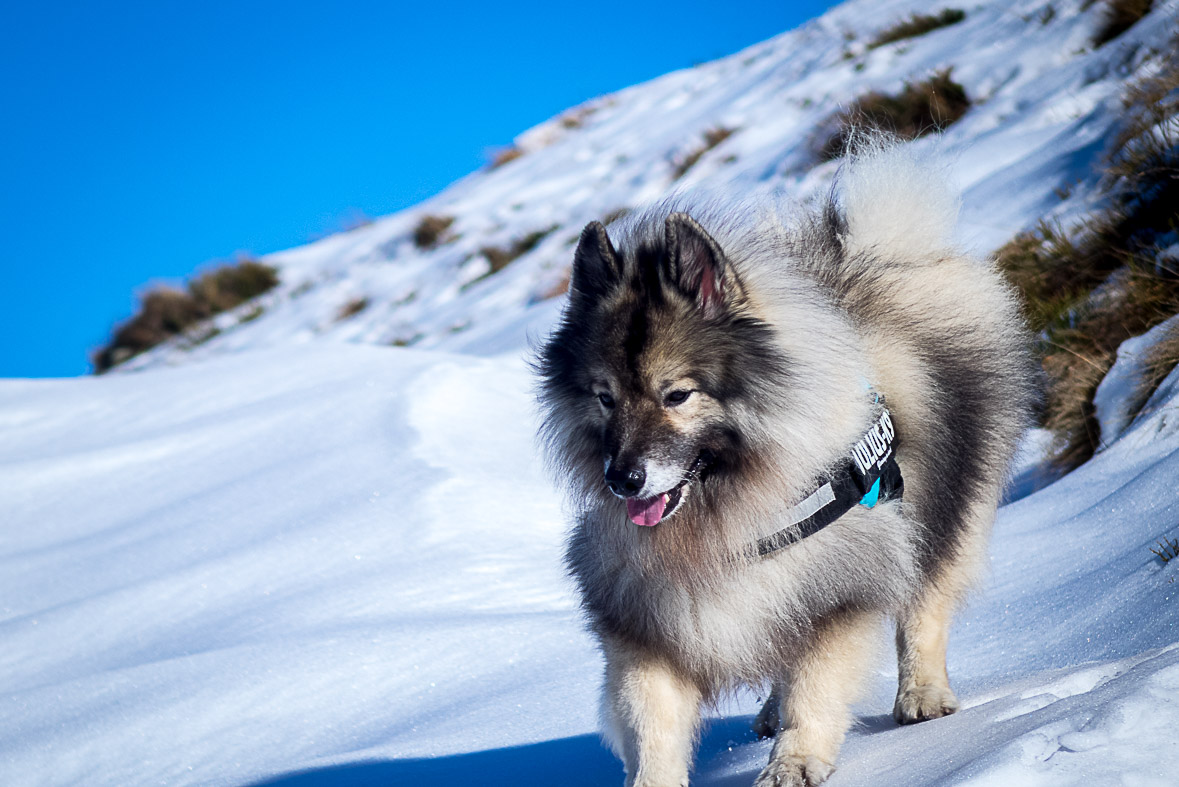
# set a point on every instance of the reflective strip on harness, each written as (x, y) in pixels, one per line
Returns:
(817, 500)
(868, 475)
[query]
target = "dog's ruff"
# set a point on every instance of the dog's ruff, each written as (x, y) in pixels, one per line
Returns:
(744, 334)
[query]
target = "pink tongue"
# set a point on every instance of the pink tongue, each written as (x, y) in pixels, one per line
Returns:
(646, 512)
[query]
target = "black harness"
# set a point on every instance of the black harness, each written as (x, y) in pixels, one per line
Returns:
(868, 475)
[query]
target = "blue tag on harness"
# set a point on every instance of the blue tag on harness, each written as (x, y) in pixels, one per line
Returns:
(873, 495)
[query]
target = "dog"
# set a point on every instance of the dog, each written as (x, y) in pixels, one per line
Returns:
(724, 384)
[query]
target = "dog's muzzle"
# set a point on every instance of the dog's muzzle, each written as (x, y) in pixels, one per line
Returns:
(653, 510)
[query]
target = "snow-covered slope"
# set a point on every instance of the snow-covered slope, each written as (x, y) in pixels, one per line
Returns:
(344, 562)
(295, 555)
(1044, 106)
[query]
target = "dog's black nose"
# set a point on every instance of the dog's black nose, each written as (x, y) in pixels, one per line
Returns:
(624, 481)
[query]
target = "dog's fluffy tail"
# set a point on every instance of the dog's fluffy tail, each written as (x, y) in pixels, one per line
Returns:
(896, 202)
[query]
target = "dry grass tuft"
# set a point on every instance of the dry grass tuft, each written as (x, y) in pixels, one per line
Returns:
(504, 155)
(406, 341)
(229, 286)
(1069, 412)
(1081, 330)
(712, 138)
(1079, 349)
(165, 312)
(1055, 272)
(352, 308)
(575, 118)
(1145, 149)
(615, 215)
(1168, 549)
(500, 257)
(919, 109)
(430, 231)
(917, 25)
(1118, 16)
(1089, 290)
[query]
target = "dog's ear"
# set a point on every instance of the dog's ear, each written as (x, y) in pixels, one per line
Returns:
(596, 268)
(698, 267)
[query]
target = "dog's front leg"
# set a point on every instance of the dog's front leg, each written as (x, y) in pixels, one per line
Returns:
(815, 700)
(652, 715)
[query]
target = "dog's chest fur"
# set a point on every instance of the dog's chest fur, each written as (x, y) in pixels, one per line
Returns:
(727, 619)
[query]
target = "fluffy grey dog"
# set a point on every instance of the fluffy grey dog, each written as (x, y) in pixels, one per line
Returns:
(775, 429)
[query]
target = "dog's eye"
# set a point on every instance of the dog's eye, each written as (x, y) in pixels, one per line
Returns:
(677, 397)
(607, 400)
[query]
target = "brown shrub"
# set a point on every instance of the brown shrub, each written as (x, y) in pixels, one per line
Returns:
(1084, 317)
(712, 138)
(500, 258)
(1168, 549)
(163, 313)
(229, 286)
(576, 117)
(1088, 293)
(1085, 296)
(166, 312)
(919, 109)
(1145, 153)
(1054, 272)
(615, 215)
(407, 341)
(1078, 352)
(352, 308)
(429, 231)
(1118, 16)
(504, 155)
(917, 25)
(1069, 410)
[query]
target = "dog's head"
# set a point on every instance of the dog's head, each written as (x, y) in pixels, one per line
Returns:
(650, 379)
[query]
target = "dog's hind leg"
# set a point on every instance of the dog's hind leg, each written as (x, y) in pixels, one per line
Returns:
(815, 702)
(652, 715)
(923, 630)
(765, 725)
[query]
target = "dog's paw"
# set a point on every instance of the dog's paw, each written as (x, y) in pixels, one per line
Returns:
(795, 772)
(922, 703)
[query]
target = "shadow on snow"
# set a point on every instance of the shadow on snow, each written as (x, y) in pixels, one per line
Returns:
(570, 762)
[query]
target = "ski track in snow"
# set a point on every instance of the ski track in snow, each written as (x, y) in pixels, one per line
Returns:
(293, 555)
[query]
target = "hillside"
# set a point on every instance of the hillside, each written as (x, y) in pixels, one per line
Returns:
(1044, 107)
(311, 542)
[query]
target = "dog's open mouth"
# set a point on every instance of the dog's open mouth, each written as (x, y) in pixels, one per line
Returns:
(654, 510)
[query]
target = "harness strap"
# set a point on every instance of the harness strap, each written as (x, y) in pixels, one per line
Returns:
(868, 475)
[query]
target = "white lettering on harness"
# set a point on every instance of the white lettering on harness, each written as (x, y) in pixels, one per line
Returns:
(874, 447)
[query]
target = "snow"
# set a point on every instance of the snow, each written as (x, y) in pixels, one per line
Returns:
(341, 564)
(1115, 394)
(293, 554)
(272, 558)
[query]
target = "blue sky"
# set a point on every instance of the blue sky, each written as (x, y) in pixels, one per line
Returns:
(140, 141)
